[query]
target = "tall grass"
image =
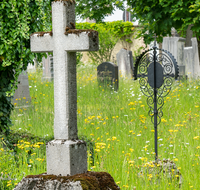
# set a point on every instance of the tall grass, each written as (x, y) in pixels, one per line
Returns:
(120, 128)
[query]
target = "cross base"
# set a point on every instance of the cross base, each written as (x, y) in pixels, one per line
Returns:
(66, 157)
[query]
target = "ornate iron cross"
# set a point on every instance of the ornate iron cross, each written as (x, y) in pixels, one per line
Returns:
(156, 72)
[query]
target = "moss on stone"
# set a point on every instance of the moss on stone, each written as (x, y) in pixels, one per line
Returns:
(89, 180)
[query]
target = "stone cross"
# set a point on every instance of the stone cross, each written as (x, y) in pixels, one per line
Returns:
(66, 155)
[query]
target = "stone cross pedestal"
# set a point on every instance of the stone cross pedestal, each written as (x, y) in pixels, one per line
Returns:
(66, 155)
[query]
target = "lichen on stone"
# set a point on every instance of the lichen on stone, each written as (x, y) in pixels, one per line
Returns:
(40, 34)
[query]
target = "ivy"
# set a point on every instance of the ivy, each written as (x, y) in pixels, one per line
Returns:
(18, 19)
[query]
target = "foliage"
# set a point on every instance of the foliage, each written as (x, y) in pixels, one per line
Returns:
(109, 34)
(18, 19)
(97, 9)
(158, 17)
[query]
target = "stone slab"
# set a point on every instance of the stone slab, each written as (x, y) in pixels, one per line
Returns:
(107, 74)
(125, 62)
(22, 94)
(175, 45)
(47, 64)
(89, 180)
(62, 152)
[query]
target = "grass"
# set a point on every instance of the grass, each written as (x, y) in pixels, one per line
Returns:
(117, 125)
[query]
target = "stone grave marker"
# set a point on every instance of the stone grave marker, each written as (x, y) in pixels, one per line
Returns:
(175, 45)
(66, 154)
(191, 60)
(47, 64)
(22, 96)
(107, 75)
(125, 62)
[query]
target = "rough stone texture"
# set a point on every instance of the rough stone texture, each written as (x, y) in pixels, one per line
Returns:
(47, 68)
(22, 94)
(64, 48)
(62, 152)
(125, 62)
(189, 35)
(107, 74)
(175, 45)
(64, 156)
(89, 180)
(191, 60)
(196, 58)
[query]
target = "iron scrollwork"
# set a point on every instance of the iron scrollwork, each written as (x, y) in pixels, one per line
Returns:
(166, 70)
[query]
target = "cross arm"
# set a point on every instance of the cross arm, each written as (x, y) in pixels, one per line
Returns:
(41, 42)
(81, 40)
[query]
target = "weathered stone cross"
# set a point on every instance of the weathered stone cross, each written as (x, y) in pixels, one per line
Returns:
(66, 155)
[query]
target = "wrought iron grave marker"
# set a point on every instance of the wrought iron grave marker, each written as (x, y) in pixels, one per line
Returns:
(156, 72)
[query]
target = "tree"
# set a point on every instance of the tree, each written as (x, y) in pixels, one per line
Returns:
(159, 16)
(97, 9)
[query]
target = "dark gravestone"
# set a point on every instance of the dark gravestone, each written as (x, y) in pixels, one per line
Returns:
(22, 96)
(107, 75)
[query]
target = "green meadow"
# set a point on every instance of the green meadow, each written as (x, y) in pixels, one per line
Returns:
(117, 129)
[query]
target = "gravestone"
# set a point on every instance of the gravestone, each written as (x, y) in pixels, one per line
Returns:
(191, 60)
(189, 35)
(125, 62)
(107, 75)
(31, 68)
(47, 64)
(66, 154)
(175, 45)
(22, 96)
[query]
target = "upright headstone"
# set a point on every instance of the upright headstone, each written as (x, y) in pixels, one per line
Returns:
(175, 45)
(125, 62)
(107, 75)
(66, 155)
(191, 60)
(31, 68)
(22, 94)
(189, 35)
(47, 64)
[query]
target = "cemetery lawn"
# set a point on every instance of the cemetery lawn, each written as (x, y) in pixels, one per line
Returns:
(117, 129)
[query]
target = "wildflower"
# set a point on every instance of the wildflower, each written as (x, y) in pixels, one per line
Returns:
(163, 120)
(139, 135)
(170, 130)
(114, 138)
(153, 130)
(176, 159)
(40, 143)
(97, 128)
(131, 149)
(196, 138)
